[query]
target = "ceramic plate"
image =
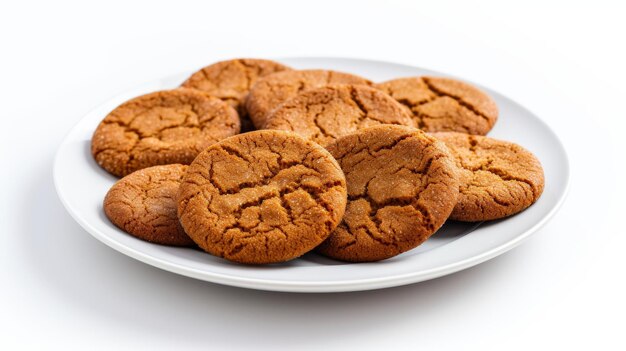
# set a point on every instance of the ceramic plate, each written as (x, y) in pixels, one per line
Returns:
(82, 185)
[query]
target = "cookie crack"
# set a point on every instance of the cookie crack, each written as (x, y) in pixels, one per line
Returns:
(265, 181)
(486, 167)
(411, 106)
(156, 134)
(316, 121)
(154, 140)
(498, 201)
(231, 151)
(395, 143)
(206, 77)
(465, 104)
(507, 177)
(396, 202)
(374, 237)
(314, 192)
(359, 104)
(426, 168)
(248, 69)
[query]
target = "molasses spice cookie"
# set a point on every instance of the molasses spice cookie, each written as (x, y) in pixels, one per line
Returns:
(143, 204)
(498, 178)
(402, 185)
(262, 197)
(164, 127)
(324, 114)
(271, 91)
(231, 81)
(442, 104)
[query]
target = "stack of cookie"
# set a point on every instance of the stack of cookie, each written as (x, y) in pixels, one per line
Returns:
(258, 163)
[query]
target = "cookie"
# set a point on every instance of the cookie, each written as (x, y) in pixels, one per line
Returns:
(271, 91)
(262, 197)
(442, 104)
(324, 114)
(164, 127)
(402, 185)
(498, 178)
(143, 204)
(231, 80)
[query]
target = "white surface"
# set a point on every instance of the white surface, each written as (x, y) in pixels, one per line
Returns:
(81, 185)
(562, 289)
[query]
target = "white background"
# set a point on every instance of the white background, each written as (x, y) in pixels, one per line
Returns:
(563, 289)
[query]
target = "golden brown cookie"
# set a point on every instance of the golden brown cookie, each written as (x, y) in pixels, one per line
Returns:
(442, 104)
(402, 185)
(262, 197)
(143, 204)
(324, 114)
(164, 127)
(231, 80)
(271, 91)
(497, 178)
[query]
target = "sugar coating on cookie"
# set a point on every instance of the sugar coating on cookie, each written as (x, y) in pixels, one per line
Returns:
(443, 104)
(262, 197)
(144, 204)
(231, 81)
(402, 186)
(498, 178)
(324, 114)
(164, 127)
(269, 92)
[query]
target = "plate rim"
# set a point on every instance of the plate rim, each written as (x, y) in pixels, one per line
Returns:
(317, 286)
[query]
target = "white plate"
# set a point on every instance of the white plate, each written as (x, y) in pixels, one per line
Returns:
(81, 185)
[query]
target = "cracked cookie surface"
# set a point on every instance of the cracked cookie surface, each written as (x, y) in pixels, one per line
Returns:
(143, 204)
(324, 114)
(170, 126)
(262, 197)
(498, 178)
(269, 92)
(231, 81)
(442, 104)
(402, 185)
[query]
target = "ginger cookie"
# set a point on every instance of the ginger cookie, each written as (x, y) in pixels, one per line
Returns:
(402, 186)
(324, 114)
(164, 127)
(231, 81)
(262, 197)
(442, 104)
(143, 204)
(271, 91)
(498, 178)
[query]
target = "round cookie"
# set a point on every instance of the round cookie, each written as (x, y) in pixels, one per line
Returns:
(402, 185)
(498, 178)
(324, 114)
(143, 204)
(164, 127)
(262, 197)
(442, 104)
(231, 80)
(271, 91)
